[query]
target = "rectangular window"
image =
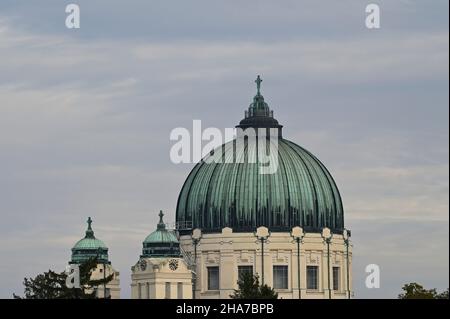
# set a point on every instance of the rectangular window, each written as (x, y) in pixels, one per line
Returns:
(244, 270)
(167, 290)
(312, 279)
(335, 278)
(280, 277)
(213, 278)
(180, 290)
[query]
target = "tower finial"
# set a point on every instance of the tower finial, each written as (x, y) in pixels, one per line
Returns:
(161, 224)
(89, 231)
(258, 84)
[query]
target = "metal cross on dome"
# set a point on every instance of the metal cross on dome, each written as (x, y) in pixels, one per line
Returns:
(161, 224)
(258, 83)
(89, 231)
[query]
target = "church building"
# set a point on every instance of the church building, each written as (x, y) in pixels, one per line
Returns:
(92, 247)
(287, 227)
(161, 272)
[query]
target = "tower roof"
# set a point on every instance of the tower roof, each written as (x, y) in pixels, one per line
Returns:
(161, 242)
(259, 114)
(89, 247)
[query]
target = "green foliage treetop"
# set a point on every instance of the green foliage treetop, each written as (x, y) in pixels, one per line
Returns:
(52, 285)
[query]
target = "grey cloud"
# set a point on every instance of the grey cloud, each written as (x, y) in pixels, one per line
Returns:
(85, 120)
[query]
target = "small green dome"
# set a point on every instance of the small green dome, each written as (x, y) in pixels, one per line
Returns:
(161, 237)
(89, 247)
(89, 243)
(162, 242)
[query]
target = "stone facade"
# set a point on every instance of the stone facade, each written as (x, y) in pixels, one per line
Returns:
(161, 278)
(228, 250)
(112, 288)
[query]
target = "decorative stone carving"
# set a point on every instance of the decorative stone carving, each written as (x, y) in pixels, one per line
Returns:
(336, 258)
(212, 257)
(280, 256)
(312, 258)
(244, 257)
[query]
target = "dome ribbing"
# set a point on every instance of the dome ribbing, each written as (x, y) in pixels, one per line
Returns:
(300, 193)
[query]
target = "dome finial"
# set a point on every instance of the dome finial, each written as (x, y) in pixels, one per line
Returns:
(161, 224)
(89, 231)
(258, 85)
(162, 242)
(259, 115)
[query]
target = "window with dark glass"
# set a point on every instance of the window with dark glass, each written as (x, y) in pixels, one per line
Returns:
(213, 278)
(335, 278)
(312, 279)
(244, 270)
(280, 277)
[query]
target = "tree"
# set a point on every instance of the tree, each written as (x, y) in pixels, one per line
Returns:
(249, 288)
(416, 291)
(43, 286)
(52, 285)
(443, 295)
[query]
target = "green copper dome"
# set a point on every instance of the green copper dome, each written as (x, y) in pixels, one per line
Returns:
(300, 193)
(162, 242)
(89, 247)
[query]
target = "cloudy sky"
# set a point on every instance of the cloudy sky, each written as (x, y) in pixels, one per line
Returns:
(85, 118)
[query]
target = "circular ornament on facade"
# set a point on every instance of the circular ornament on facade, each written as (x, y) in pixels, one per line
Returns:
(143, 264)
(173, 264)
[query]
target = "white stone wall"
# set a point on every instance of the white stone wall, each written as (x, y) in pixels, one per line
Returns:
(229, 250)
(153, 280)
(102, 271)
